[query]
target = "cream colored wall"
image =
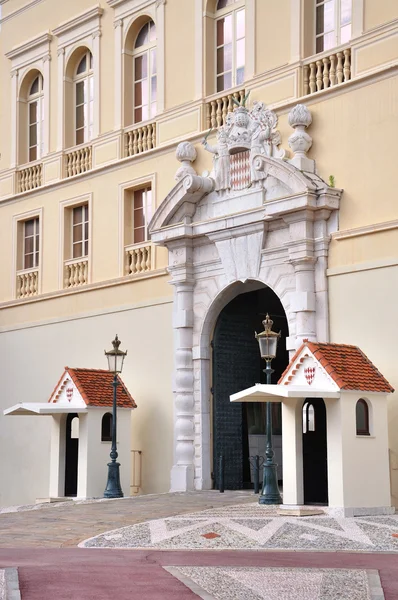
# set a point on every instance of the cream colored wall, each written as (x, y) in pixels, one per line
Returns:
(363, 312)
(40, 352)
(180, 53)
(105, 219)
(273, 47)
(377, 13)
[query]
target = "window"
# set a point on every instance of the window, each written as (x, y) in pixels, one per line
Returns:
(230, 44)
(141, 214)
(333, 23)
(308, 417)
(31, 241)
(362, 417)
(80, 231)
(84, 99)
(145, 73)
(36, 119)
(106, 427)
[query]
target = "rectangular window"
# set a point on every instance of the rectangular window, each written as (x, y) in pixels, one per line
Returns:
(333, 23)
(84, 110)
(230, 39)
(31, 240)
(141, 214)
(35, 136)
(80, 217)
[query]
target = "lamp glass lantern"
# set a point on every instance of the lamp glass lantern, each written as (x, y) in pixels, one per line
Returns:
(268, 340)
(115, 357)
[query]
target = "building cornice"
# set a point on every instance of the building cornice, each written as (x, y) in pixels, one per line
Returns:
(81, 19)
(44, 38)
(366, 230)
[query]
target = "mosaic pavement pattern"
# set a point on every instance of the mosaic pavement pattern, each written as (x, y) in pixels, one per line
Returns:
(241, 583)
(255, 527)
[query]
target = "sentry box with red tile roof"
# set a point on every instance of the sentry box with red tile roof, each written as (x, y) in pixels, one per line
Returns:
(81, 411)
(334, 429)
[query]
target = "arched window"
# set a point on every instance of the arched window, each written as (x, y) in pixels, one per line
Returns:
(35, 119)
(145, 73)
(230, 44)
(362, 417)
(308, 417)
(84, 99)
(106, 428)
(333, 23)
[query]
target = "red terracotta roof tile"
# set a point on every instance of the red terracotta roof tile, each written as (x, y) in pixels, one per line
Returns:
(95, 387)
(348, 366)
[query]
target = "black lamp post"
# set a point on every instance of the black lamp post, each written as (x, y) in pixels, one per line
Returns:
(268, 341)
(115, 365)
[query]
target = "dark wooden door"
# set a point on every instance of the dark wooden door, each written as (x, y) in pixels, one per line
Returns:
(237, 365)
(315, 464)
(71, 458)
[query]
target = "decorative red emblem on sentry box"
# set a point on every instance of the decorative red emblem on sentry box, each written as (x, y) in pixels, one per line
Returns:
(309, 373)
(69, 393)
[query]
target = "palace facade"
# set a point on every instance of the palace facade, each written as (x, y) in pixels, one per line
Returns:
(171, 171)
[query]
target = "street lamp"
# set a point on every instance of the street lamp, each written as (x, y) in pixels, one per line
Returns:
(115, 365)
(268, 341)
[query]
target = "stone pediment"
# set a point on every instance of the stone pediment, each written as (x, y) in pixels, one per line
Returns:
(251, 174)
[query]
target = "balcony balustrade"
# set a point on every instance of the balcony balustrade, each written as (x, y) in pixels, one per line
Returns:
(30, 177)
(326, 70)
(78, 160)
(75, 272)
(27, 283)
(138, 259)
(218, 108)
(140, 139)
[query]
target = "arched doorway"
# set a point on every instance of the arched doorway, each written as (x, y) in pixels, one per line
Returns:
(239, 429)
(71, 454)
(315, 467)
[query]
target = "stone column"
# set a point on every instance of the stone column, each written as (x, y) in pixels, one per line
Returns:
(183, 471)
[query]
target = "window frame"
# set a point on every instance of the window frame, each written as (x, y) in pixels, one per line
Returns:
(38, 99)
(36, 243)
(232, 9)
(87, 78)
(145, 50)
(125, 226)
(18, 228)
(85, 239)
(366, 430)
(308, 421)
(336, 26)
(145, 206)
(106, 438)
(65, 237)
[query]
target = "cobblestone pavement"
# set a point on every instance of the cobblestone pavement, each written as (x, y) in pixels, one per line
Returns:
(68, 523)
(255, 527)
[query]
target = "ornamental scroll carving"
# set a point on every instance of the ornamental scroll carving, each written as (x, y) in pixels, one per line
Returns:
(246, 135)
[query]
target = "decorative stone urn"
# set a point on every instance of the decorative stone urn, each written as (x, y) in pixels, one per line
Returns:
(186, 154)
(300, 142)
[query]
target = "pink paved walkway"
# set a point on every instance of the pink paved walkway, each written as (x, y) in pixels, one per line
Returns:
(92, 574)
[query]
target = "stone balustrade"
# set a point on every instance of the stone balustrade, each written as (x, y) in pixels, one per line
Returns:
(27, 283)
(140, 139)
(138, 259)
(218, 108)
(78, 160)
(326, 71)
(29, 178)
(75, 272)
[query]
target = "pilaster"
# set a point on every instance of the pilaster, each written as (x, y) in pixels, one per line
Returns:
(118, 25)
(183, 470)
(14, 118)
(97, 83)
(160, 25)
(61, 100)
(47, 103)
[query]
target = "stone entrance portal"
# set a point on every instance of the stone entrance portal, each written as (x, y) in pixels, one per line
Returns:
(261, 218)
